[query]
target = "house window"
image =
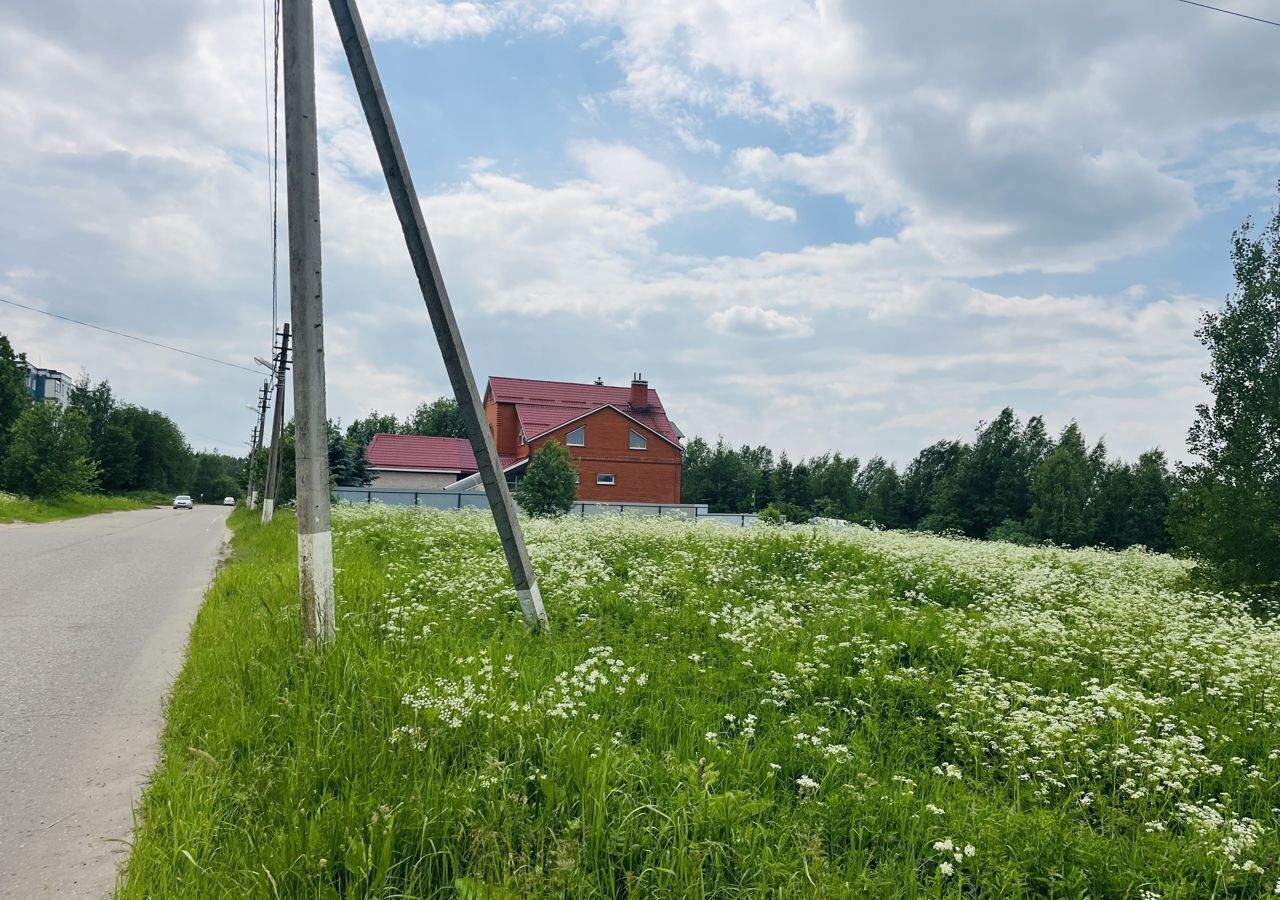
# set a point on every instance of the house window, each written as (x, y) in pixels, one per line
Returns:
(639, 441)
(604, 478)
(577, 437)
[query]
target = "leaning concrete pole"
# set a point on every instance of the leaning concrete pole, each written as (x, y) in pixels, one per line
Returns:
(394, 166)
(310, 421)
(277, 429)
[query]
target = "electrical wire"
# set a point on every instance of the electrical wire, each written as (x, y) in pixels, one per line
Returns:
(1229, 12)
(132, 337)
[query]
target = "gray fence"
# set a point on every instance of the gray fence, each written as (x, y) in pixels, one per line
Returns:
(441, 499)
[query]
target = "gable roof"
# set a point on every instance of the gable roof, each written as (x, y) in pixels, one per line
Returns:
(427, 454)
(545, 405)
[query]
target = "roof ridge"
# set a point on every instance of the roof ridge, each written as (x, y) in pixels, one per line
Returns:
(586, 384)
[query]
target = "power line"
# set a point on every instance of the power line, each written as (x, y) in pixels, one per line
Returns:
(1229, 12)
(132, 337)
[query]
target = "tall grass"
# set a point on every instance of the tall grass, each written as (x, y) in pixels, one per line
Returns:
(715, 713)
(21, 509)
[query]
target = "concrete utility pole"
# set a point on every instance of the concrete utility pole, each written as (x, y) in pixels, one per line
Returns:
(310, 421)
(256, 443)
(400, 184)
(277, 429)
(253, 443)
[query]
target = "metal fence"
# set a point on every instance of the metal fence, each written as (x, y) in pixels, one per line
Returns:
(442, 499)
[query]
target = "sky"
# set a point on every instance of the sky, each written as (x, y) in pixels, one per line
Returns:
(858, 227)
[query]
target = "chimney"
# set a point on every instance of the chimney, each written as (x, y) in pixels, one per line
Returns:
(639, 392)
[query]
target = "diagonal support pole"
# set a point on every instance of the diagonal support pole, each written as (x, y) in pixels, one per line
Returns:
(400, 184)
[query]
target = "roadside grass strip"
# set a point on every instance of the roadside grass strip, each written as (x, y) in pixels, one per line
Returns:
(21, 509)
(729, 713)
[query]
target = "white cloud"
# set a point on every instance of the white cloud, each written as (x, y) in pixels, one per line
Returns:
(754, 321)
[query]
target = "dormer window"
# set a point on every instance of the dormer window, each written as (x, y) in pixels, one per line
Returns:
(639, 441)
(577, 437)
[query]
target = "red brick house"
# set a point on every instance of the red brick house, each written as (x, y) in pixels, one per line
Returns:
(626, 448)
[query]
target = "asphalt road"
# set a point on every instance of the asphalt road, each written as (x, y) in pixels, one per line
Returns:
(94, 617)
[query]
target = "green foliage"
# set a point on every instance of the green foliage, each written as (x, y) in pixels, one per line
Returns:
(1011, 531)
(160, 458)
(550, 485)
(215, 476)
(439, 418)
(714, 713)
(772, 515)
(983, 489)
(992, 481)
(1061, 490)
(348, 463)
(1230, 511)
(361, 431)
(48, 454)
(13, 390)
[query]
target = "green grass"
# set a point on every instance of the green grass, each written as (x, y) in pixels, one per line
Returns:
(715, 713)
(21, 509)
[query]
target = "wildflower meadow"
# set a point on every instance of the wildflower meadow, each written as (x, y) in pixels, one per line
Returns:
(808, 711)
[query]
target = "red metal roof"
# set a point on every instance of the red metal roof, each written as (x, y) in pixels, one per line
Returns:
(544, 405)
(411, 451)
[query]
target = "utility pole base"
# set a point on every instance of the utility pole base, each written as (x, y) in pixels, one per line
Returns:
(315, 572)
(268, 508)
(531, 606)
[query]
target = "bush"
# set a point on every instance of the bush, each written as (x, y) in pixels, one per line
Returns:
(771, 515)
(1011, 531)
(48, 454)
(551, 485)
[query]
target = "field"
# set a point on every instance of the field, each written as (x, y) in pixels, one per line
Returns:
(799, 712)
(20, 509)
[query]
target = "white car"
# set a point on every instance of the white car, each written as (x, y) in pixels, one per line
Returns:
(228, 501)
(182, 501)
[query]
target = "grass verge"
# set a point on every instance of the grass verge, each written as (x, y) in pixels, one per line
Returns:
(716, 713)
(21, 509)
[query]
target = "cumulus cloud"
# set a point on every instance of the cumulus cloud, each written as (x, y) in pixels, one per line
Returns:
(754, 321)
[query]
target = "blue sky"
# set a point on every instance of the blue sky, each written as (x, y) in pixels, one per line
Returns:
(816, 225)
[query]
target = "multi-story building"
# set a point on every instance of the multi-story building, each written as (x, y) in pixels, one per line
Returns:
(48, 385)
(626, 449)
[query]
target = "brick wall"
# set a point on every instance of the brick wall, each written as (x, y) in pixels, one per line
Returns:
(640, 476)
(505, 426)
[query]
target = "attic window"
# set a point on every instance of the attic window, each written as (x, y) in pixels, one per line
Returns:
(604, 478)
(639, 441)
(577, 437)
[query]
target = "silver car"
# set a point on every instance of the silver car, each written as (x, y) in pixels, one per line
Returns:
(182, 501)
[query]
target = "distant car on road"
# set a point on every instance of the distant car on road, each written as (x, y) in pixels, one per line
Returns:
(182, 501)
(228, 501)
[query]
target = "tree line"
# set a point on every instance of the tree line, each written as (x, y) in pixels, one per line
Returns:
(1012, 482)
(98, 444)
